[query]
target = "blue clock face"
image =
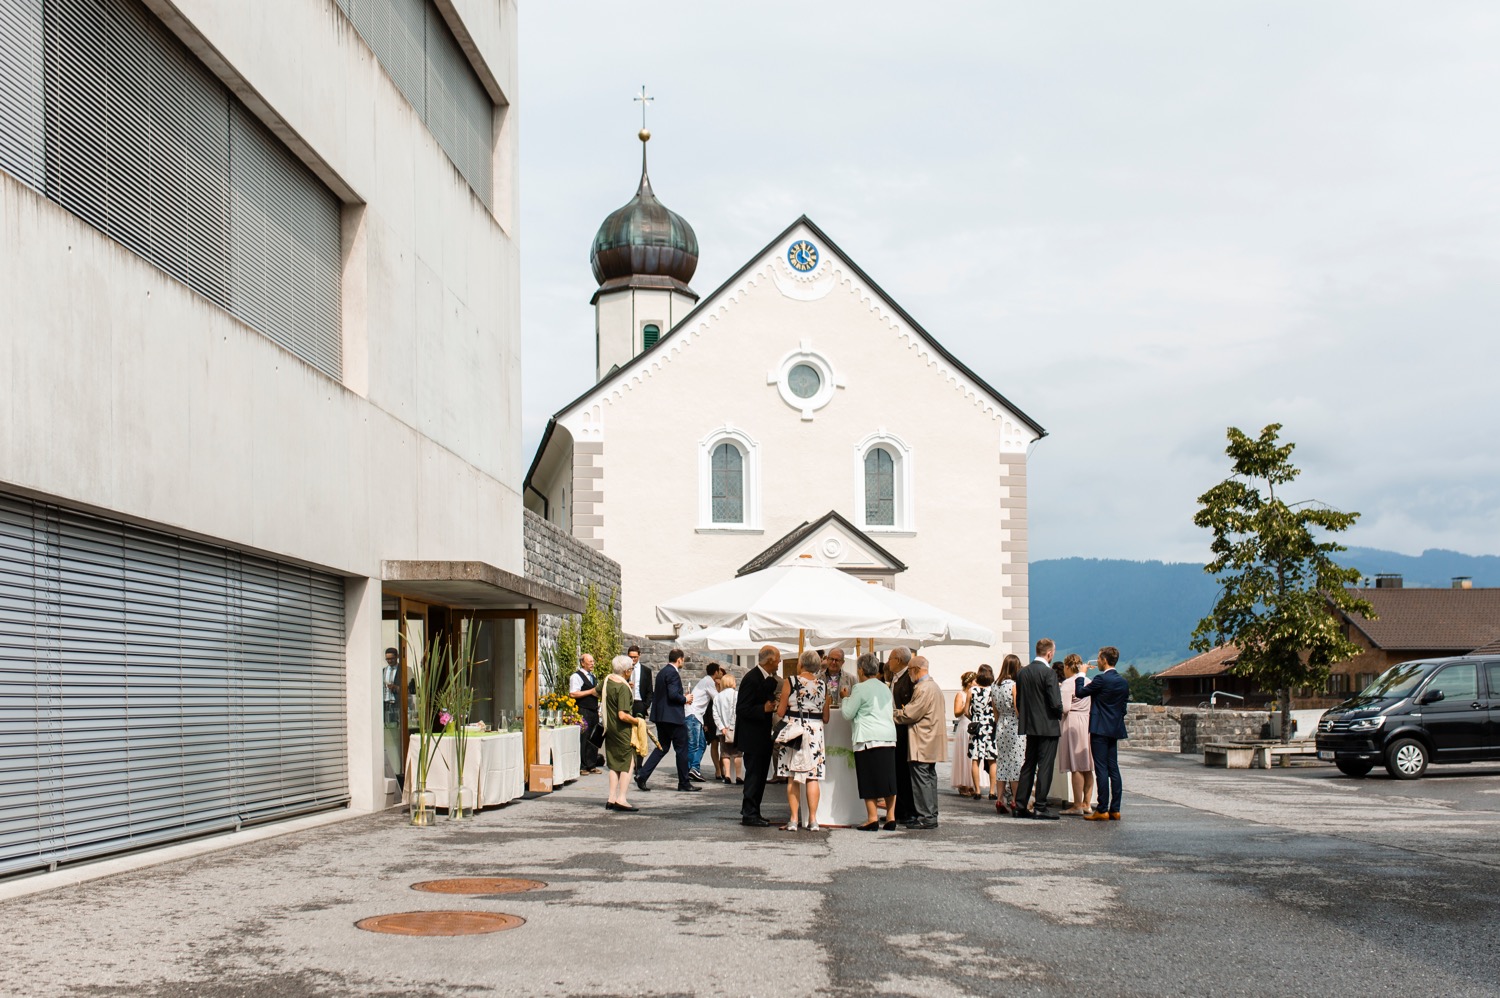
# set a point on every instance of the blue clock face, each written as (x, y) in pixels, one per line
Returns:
(803, 256)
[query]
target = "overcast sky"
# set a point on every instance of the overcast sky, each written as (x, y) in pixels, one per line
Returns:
(1141, 222)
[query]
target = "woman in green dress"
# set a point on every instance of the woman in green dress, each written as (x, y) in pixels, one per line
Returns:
(619, 727)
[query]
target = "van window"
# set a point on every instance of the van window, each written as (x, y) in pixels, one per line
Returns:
(1493, 668)
(1457, 682)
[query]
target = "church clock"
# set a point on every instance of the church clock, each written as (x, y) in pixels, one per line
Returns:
(802, 255)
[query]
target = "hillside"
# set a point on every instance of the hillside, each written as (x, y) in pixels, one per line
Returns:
(1148, 609)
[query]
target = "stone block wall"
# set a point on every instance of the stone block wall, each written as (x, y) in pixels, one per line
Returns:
(1188, 729)
(555, 557)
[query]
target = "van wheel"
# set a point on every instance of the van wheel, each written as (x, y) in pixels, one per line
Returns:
(1406, 759)
(1354, 767)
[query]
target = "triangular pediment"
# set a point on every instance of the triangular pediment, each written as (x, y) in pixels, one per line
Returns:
(829, 540)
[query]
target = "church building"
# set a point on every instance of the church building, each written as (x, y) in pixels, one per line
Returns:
(796, 410)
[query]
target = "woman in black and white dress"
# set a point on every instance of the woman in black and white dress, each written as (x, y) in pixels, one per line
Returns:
(982, 750)
(1010, 745)
(802, 699)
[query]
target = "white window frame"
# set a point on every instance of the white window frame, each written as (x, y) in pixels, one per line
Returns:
(780, 376)
(901, 455)
(749, 450)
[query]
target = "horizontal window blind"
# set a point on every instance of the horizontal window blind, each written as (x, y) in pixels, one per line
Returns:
(416, 48)
(153, 687)
(111, 117)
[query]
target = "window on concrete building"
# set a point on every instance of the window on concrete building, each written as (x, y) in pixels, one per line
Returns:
(140, 140)
(417, 50)
(649, 335)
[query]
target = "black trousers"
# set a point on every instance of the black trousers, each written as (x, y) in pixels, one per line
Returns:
(675, 736)
(1041, 759)
(905, 806)
(757, 768)
(588, 753)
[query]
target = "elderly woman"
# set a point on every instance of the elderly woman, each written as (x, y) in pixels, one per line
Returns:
(1073, 753)
(803, 699)
(867, 708)
(619, 727)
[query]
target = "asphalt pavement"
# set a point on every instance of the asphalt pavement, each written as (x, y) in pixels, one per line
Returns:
(1282, 882)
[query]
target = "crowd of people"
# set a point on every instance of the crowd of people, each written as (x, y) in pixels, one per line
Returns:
(1014, 729)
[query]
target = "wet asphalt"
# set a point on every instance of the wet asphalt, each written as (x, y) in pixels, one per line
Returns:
(1287, 882)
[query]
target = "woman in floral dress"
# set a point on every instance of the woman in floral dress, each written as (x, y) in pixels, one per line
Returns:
(982, 746)
(802, 699)
(1010, 747)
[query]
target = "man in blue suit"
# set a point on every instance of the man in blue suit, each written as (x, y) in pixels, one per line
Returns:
(667, 703)
(1111, 694)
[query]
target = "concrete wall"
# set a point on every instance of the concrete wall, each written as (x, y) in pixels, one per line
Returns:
(123, 392)
(966, 548)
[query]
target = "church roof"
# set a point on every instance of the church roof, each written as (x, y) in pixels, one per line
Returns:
(780, 548)
(647, 356)
(644, 243)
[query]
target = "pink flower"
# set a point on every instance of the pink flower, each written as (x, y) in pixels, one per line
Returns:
(445, 718)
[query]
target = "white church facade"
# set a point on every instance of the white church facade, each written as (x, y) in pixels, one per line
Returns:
(796, 410)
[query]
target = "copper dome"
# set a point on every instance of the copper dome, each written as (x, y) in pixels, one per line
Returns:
(645, 239)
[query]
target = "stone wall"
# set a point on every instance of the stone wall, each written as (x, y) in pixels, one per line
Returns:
(1188, 729)
(558, 559)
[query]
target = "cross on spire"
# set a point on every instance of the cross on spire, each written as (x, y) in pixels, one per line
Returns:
(643, 99)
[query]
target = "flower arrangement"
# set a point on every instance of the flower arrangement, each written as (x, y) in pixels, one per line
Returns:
(564, 705)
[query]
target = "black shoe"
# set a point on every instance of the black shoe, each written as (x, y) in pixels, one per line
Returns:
(889, 826)
(1042, 814)
(1021, 813)
(755, 822)
(688, 788)
(910, 823)
(739, 781)
(696, 778)
(873, 826)
(626, 807)
(924, 825)
(641, 785)
(610, 805)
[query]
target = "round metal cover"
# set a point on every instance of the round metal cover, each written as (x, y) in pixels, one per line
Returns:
(440, 923)
(479, 885)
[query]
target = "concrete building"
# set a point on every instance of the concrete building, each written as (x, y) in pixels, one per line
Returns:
(260, 363)
(798, 409)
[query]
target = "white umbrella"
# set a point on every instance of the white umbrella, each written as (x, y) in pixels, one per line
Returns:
(806, 601)
(738, 640)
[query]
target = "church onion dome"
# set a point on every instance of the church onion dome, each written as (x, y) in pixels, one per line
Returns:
(645, 244)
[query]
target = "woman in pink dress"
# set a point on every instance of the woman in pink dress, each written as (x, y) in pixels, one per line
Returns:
(1073, 754)
(960, 770)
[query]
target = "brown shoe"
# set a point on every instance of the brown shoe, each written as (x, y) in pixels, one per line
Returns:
(1114, 816)
(1097, 816)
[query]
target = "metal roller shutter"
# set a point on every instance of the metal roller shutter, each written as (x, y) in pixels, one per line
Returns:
(107, 113)
(153, 687)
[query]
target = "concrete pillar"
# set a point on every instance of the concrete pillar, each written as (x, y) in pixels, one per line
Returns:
(363, 660)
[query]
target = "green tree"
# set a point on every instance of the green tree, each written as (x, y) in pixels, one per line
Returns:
(1144, 687)
(1276, 578)
(596, 632)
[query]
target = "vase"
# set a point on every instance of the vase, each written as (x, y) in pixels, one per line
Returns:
(422, 804)
(460, 808)
(450, 727)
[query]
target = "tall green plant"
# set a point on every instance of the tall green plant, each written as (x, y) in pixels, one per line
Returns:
(599, 630)
(1277, 580)
(564, 654)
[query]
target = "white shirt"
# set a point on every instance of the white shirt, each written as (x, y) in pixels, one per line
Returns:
(703, 695)
(575, 682)
(635, 681)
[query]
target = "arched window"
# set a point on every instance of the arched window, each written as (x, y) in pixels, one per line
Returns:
(883, 482)
(728, 476)
(880, 488)
(728, 482)
(649, 335)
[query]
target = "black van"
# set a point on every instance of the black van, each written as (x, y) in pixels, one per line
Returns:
(1433, 710)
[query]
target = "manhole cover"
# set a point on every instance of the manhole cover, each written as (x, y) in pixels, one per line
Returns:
(440, 923)
(479, 885)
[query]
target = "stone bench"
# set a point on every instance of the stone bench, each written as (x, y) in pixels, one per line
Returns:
(1226, 756)
(1266, 755)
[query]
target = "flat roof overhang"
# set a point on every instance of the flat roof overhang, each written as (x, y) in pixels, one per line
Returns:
(474, 585)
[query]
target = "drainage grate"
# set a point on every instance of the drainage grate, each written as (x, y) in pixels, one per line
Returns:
(479, 885)
(440, 923)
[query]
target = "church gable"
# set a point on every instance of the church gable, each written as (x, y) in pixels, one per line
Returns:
(829, 540)
(803, 264)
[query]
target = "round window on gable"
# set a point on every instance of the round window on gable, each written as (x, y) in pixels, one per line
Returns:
(804, 381)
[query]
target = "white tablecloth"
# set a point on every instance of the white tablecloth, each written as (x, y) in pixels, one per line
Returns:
(839, 803)
(494, 770)
(563, 748)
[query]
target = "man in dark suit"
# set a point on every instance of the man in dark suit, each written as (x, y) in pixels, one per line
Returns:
(671, 724)
(752, 731)
(1039, 704)
(897, 664)
(1111, 696)
(640, 683)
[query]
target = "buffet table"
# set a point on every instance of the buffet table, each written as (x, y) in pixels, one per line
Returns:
(563, 748)
(840, 803)
(494, 769)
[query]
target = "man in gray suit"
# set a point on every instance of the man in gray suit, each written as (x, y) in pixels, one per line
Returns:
(1039, 704)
